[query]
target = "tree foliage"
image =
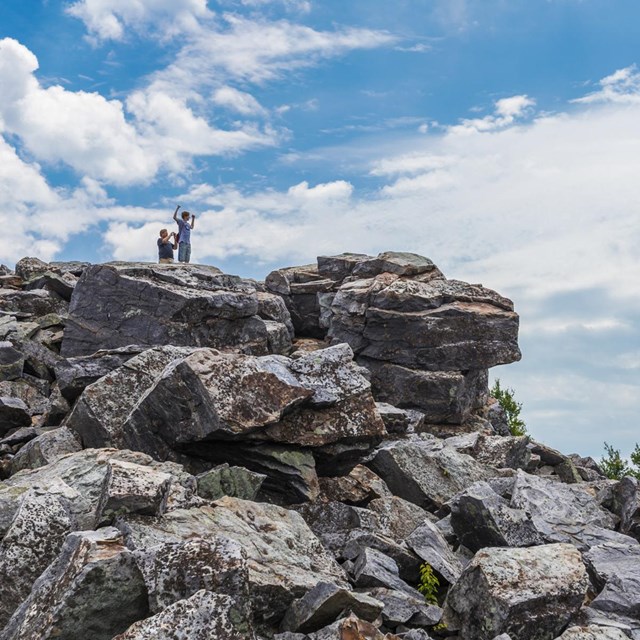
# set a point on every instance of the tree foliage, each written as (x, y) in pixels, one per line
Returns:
(429, 584)
(505, 398)
(615, 467)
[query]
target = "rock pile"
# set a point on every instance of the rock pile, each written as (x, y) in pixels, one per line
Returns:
(187, 454)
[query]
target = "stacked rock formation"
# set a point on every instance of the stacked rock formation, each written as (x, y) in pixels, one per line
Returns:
(187, 454)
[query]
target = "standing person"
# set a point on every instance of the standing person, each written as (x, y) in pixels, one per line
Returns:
(184, 234)
(166, 246)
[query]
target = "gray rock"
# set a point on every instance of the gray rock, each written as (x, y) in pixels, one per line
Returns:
(75, 374)
(35, 303)
(395, 420)
(615, 569)
(403, 608)
(224, 480)
(429, 544)
(323, 604)
(174, 571)
(425, 472)
(374, 569)
(351, 627)
(32, 540)
(94, 584)
(530, 593)
(284, 558)
(203, 616)
(481, 518)
(14, 414)
(45, 448)
(358, 487)
(443, 396)
(61, 285)
(11, 362)
(626, 505)
(502, 452)
(32, 391)
(398, 517)
(29, 267)
(114, 305)
(593, 632)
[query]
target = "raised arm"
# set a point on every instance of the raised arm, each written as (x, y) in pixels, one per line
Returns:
(193, 220)
(175, 213)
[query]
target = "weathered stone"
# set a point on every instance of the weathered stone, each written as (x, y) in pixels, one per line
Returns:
(29, 267)
(443, 396)
(359, 487)
(61, 285)
(174, 571)
(224, 480)
(425, 472)
(32, 303)
(14, 413)
(374, 569)
(530, 593)
(500, 452)
(32, 391)
(75, 374)
(403, 608)
(323, 604)
(351, 628)
(203, 616)
(395, 420)
(38, 359)
(615, 569)
(341, 266)
(32, 540)
(626, 505)
(11, 362)
(398, 517)
(133, 488)
(114, 305)
(593, 632)
(481, 518)
(45, 448)
(285, 559)
(94, 584)
(429, 544)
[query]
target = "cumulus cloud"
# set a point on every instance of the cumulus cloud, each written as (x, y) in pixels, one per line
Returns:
(507, 111)
(622, 86)
(239, 101)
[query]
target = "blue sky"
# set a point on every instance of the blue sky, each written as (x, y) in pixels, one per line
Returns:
(499, 138)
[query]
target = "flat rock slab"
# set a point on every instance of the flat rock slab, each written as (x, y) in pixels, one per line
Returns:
(593, 632)
(531, 594)
(118, 304)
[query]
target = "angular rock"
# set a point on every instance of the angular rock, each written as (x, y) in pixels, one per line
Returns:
(32, 303)
(429, 544)
(502, 452)
(93, 585)
(29, 267)
(118, 304)
(359, 487)
(75, 374)
(174, 571)
(33, 539)
(395, 420)
(133, 488)
(285, 559)
(443, 396)
(14, 414)
(323, 604)
(398, 517)
(593, 632)
(51, 281)
(402, 608)
(33, 392)
(530, 593)
(350, 628)
(45, 448)
(374, 569)
(615, 569)
(482, 518)
(11, 362)
(626, 505)
(203, 616)
(425, 472)
(236, 482)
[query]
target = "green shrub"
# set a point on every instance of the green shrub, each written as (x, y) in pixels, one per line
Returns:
(615, 467)
(429, 584)
(511, 408)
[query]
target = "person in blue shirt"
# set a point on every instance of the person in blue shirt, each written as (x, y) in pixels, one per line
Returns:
(184, 234)
(166, 245)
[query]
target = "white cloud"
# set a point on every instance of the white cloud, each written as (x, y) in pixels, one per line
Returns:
(507, 111)
(622, 86)
(109, 19)
(238, 101)
(296, 5)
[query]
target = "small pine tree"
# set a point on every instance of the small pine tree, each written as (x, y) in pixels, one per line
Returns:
(615, 467)
(511, 408)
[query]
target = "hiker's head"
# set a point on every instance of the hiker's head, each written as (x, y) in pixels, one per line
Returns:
(185, 215)
(163, 233)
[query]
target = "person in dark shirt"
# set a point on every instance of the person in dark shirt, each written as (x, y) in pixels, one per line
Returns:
(184, 234)
(166, 245)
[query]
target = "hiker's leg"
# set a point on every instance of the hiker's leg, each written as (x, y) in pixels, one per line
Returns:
(187, 253)
(181, 252)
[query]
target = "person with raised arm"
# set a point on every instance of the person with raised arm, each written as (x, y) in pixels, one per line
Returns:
(184, 234)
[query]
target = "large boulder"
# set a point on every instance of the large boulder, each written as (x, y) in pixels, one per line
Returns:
(425, 471)
(93, 587)
(531, 594)
(285, 559)
(118, 304)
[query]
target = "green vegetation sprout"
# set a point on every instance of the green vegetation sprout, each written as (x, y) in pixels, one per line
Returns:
(615, 467)
(429, 584)
(505, 398)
